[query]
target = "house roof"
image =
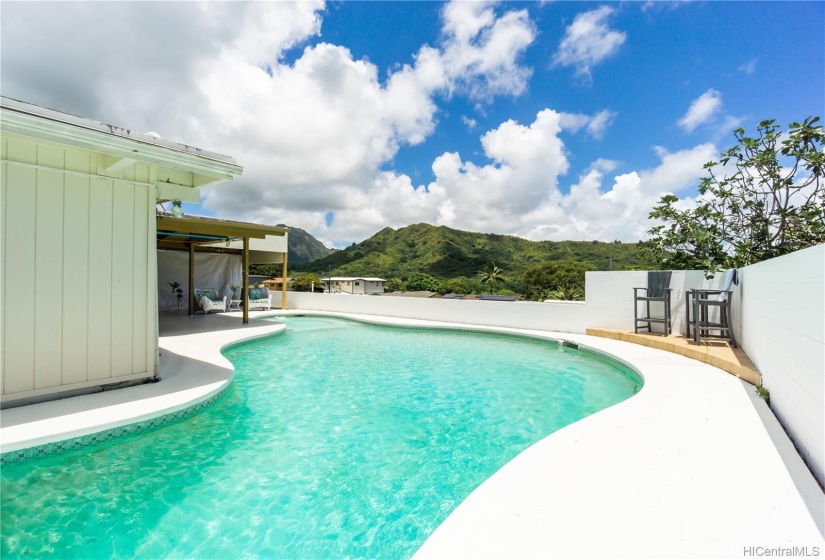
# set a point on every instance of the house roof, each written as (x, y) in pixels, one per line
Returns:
(418, 294)
(482, 297)
(122, 146)
(351, 278)
(24, 107)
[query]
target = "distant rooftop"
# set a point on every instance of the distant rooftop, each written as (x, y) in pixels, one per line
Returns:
(481, 297)
(351, 278)
(418, 294)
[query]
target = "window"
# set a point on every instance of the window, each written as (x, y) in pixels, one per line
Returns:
(358, 283)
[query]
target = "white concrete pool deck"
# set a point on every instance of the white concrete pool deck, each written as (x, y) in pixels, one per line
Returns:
(693, 466)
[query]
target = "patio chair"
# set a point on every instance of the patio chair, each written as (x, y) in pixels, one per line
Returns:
(259, 298)
(657, 291)
(700, 304)
(208, 300)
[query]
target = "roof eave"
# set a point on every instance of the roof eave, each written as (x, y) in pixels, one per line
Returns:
(46, 124)
(207, 226)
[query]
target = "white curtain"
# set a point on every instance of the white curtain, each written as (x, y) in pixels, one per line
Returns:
(211, 271)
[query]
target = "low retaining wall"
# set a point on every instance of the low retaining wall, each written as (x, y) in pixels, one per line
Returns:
(562, 316)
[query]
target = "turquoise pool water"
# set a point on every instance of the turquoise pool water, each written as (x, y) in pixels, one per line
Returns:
(338, 440)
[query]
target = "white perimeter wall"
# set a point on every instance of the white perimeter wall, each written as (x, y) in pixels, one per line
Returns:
(78, 305)
(778, 314)
(783, 320)
(609, 305)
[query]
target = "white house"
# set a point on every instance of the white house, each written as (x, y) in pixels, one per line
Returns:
(354, 285)
(78, 301)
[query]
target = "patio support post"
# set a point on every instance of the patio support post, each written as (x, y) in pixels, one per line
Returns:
(283, 284)
(191, 278)
(245, 287)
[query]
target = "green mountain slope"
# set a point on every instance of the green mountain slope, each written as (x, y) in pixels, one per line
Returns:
(449, 253)
(303, 247)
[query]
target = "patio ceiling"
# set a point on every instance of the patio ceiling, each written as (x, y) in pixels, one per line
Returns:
(191, 233)
(200, 230)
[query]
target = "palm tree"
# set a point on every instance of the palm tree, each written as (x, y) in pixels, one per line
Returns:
(566, 293)
(490, 274)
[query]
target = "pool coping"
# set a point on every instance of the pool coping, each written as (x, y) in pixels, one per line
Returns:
(193, 375)
(694, 465)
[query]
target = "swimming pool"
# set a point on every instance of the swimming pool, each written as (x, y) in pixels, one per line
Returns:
(338, 439)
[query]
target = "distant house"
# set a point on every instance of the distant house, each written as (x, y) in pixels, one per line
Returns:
(258, 279)
(354, 285)
(275, 284)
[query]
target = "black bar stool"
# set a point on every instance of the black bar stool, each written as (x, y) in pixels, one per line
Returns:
(697, 315)
(657, 291)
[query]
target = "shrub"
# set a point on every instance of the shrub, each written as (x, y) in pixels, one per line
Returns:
(396, 285)
(304, 282)
(455, 286)
(421, 281)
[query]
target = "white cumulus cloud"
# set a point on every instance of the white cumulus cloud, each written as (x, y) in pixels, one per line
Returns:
(480, 52)
(520, 190)
(594, 125)
(315, 128)
(323, 126)
(621, 211)
(588, 41)
(470, 123)
(703, 109)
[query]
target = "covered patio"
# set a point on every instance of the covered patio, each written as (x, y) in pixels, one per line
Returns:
(253, 243)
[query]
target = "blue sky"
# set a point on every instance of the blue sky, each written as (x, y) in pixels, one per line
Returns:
(673, 53)
(554, 120)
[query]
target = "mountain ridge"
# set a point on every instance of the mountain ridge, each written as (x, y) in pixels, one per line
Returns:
(447, 253)
(303, 247)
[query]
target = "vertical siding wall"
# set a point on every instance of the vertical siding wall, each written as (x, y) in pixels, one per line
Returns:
(783, 322)
(76, 252)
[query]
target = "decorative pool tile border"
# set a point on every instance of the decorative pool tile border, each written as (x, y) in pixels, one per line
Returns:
(58, 447)
(245, 341)
(625, 369)
(40, 451)
(63, 446)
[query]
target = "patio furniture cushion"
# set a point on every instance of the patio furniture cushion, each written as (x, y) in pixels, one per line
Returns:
(210, 294)
(208, 300)
(259, 298)
(258, 294)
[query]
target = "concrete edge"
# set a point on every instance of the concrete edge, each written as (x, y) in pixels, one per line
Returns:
(193, 370)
